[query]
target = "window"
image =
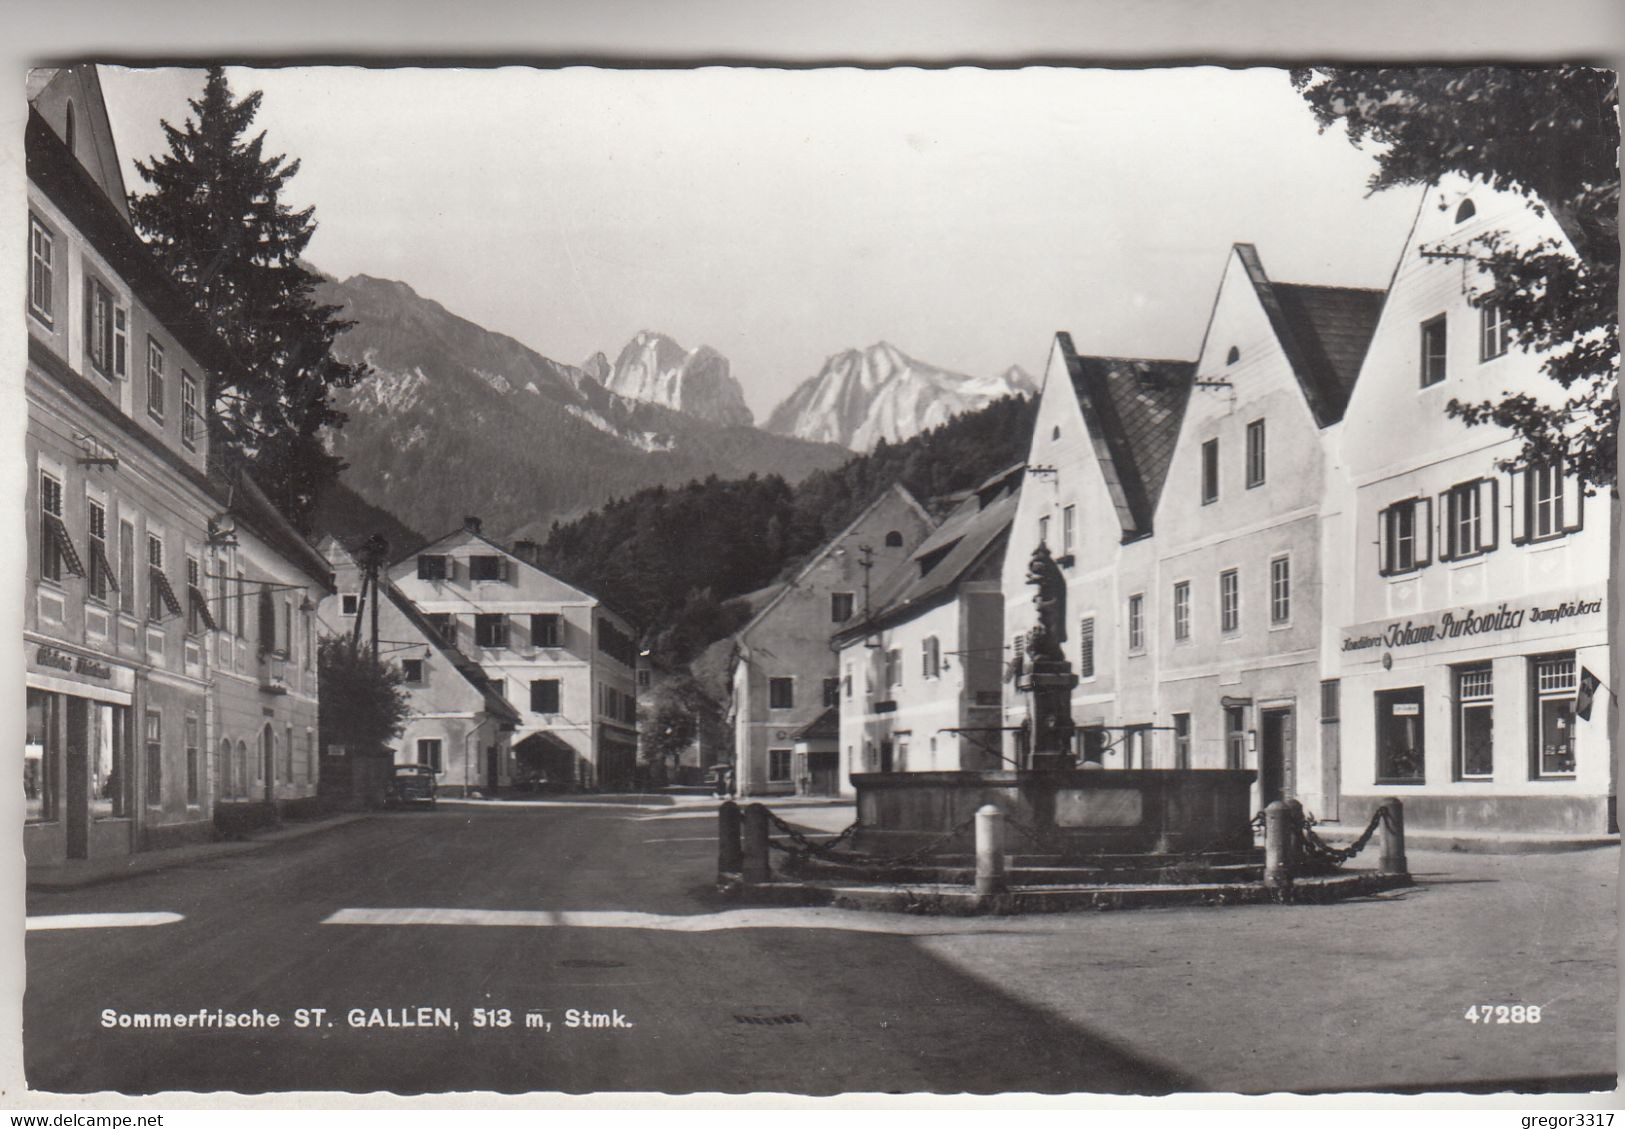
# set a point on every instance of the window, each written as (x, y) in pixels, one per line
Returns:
(1553, 720)
(1210, 471)
(121, 337)
(1466, 211)
(485, 567)
(156, 582)
(39, 271)
(544, 629)
(778, 766)
(1235, 736)
(1281, 590)
(1043, 531)
(930, 657)
(109, 760)
(267, 622)
(1255, 453)
(445, 626)
(490, 631)
(431, 567)
(544, 695)
(1433, 352)
(42, 756)
(1405, 536)
(1469, 519)
(155, 758)
(189, 412)
(98, 326)
(1136, 622)
(1400, 752)
(242, 610)
(644, 679)
(832, 692)
(1232, 356)
(1229, 600)
(499, 687)
(126, 566)
(840, 607)
(308, 629)
(846, 681)
(350, 603)
(101, 569)
(781, 693)
(1549, 504)
(1475, 753)
(1182, 610)
(198, 616)
(1069, 528)
(155, 379)
(1494, 331)
(1330, 699)
(894, 540)
(1086, 647)
(429, 752)
(412, 671)
(1182, 740)
(193, 768)
(50, 542)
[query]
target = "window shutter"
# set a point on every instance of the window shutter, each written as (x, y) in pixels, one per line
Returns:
(1518, 499)
(1447, 528)
(1573, 503)
(1489, 509)
(1384, 518)
(1424, 529)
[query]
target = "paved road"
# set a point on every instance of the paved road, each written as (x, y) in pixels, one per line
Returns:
(607, 912)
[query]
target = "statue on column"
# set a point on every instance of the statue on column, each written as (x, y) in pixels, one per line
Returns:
(1049, 678)
(1045, 639)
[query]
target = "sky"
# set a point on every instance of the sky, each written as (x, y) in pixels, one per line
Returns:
(781, 216)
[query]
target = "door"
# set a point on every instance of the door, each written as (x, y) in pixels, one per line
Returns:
(1235, 737)
(78, 776)
(824, 768)
(1275, 756)
(268, 756)
(885, 756)
(493, 767)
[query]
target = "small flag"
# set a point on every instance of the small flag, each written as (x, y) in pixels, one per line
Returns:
(1587, 694)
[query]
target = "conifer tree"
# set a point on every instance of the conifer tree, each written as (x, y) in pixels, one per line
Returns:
(216, 218)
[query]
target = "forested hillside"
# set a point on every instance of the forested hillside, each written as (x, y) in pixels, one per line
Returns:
(671, 558)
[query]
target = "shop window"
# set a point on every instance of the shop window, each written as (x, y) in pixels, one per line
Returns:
(42, 757)
(781, 693)
(40, 271)
(544, 695)
(109, 760)
(1182, 740)
(778, 766)
(490, 631)
(930, 657)
(1281, 590)
(432, 567)
(1553, 719)
(1210, 471)
(840, 606)
(832, 692)
(1405, 536)
(1230, 600)
(429, 752)
(1433, 351)
(154, 765)
(486, 567)
(155, 380)
(412, 672)
(1475, 730)
(1182, 611)
(193, 768)
(1400, 745)
(1494, 330)
(98, 326)
(1255, 454)
(1136, 622)
(1086, 647)
(1470, 511)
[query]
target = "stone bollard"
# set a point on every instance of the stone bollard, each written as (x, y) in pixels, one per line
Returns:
(990, 877)
(1392, 830)
(1278, 844)
(755, 867)
(730, 854)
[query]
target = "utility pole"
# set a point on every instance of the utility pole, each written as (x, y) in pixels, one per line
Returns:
(374, 552)
(866, 561)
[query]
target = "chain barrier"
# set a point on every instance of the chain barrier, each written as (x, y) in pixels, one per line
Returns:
(803, 847)
(1317, 849)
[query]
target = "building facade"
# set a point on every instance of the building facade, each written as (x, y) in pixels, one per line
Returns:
(1473, 586)
(784, 673)
(921, 677)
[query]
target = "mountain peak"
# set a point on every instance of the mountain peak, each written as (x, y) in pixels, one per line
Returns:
(654, 368)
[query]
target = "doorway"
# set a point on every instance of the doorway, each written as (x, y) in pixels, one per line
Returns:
(493, 767)
(823, 770)
(268, 758)
(1276, 756)
(885, 756)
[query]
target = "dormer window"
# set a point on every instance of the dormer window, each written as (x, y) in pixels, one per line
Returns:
(1466, 211)
(894, 540)
(1232, 356)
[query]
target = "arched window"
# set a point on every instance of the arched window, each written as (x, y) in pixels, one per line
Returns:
(894, 540)
(1466, 211)
(239, 774)
(1233, 356)
(222, 771)
(70, 131)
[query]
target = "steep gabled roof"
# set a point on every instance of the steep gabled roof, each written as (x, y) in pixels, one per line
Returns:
(1132, 408)
(977, 530)
(474, 674)
(236, 489)
(1323, 330)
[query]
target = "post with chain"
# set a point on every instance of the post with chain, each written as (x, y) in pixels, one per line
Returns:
(1393, 838)
(730, 853)
(990, 876)
(755, 867)
(1277, 845)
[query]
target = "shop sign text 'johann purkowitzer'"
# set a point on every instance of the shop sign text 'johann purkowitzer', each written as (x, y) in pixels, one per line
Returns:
(1550, 615)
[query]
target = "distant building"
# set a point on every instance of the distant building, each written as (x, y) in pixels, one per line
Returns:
(784, 673)
(563, 660)
(921, 676)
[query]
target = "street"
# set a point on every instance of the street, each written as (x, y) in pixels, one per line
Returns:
(603, 916)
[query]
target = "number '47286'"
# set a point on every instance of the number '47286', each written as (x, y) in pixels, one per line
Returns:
(1503, 1013)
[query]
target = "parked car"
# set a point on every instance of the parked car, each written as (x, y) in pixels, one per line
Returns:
(410, 784)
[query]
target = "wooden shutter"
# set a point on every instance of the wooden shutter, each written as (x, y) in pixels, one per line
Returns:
(1448, 549)
(1424, 529)
(1518, 499)
(1489, 509)
(1384, 538)
(1573, 511)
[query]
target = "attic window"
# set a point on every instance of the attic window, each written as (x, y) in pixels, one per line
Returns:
(1056, 432)
(1466, 211)
(1233, 356)
(894, 540)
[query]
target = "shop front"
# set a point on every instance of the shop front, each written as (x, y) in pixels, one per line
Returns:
(1490, 717)
(78, 755)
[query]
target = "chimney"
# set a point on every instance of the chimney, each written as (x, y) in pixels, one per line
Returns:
(472, 524)
(528, 551)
